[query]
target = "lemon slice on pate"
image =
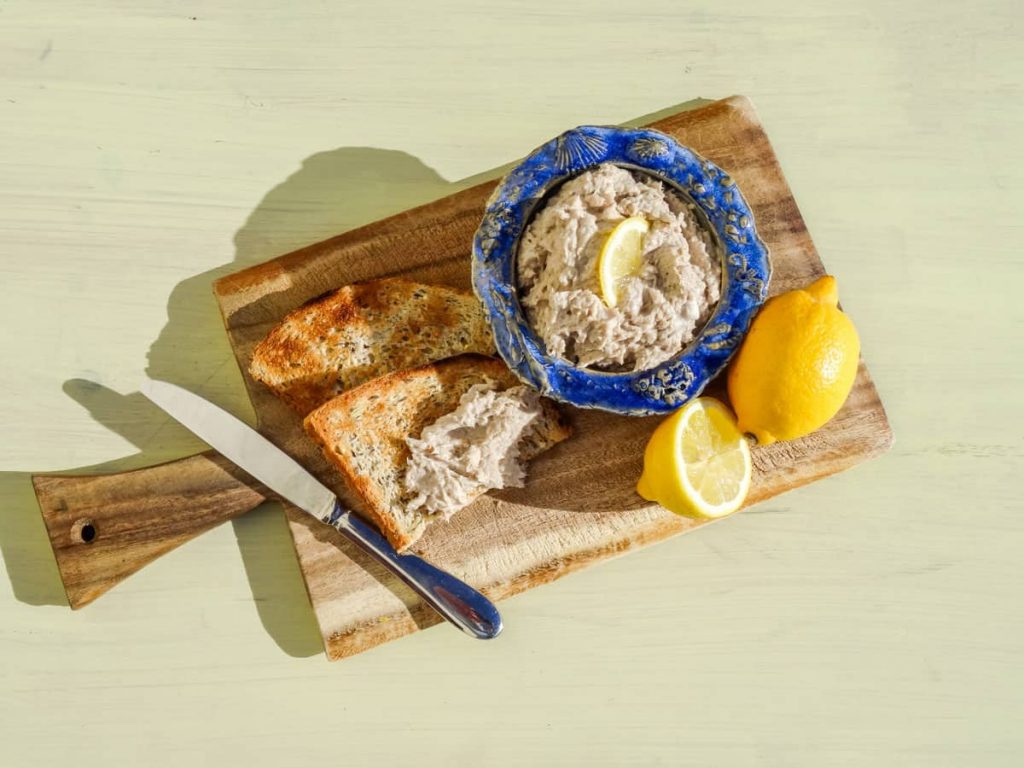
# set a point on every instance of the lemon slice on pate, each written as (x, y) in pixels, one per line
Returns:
(697, 462)
(622, 256)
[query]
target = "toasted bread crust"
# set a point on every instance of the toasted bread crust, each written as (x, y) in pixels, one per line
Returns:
(343, 339)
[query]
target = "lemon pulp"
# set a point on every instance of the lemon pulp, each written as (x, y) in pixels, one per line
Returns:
(697, 462)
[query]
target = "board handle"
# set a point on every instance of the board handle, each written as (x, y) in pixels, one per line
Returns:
(103, 528)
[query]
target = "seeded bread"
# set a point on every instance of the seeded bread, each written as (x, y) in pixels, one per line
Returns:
(363, 431)
(363, 331)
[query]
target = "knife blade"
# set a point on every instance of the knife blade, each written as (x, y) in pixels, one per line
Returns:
(455, 600)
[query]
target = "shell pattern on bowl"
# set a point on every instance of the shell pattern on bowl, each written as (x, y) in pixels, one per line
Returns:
(745, 266)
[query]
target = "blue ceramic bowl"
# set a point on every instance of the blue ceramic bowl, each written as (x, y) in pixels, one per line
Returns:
(745, 269)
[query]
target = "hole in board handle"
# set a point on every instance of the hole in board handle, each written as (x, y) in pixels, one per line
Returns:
(83, 532)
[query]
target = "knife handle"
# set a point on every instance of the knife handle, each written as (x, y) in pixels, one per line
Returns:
(458, 602)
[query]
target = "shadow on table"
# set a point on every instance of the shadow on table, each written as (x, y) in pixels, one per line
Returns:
(27, 555)
(330, 193)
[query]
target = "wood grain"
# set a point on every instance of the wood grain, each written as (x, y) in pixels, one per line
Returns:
(579, 506)
(103, 528)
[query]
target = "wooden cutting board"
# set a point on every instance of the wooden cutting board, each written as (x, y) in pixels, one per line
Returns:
(580, 506)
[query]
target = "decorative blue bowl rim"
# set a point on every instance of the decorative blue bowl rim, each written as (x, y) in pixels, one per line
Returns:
(746, 268)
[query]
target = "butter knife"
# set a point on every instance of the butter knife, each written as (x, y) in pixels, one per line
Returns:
(455, 600)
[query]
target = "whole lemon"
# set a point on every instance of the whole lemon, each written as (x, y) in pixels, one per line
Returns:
(796, 366)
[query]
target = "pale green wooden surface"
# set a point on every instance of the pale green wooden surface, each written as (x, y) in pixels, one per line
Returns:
(872, 619)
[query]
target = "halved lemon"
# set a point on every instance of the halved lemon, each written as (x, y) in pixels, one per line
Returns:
(622, 256)
(697, 462)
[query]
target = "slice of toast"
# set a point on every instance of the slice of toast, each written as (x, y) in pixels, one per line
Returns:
(363, 432)
(363, 331)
